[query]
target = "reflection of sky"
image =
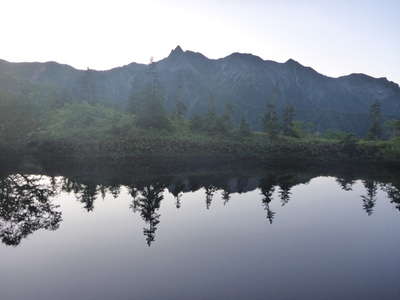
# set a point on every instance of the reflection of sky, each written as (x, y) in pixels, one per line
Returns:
(334, 37)
(322, 245)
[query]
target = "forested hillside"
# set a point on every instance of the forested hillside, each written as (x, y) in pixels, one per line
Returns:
(244, 81)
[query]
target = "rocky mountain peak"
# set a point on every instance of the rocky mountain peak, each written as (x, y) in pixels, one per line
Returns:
(176, 52)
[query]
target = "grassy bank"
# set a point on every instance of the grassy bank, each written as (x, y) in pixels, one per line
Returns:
(258, 146)
(82, 131)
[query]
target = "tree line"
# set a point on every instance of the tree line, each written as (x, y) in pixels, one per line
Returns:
(150, 113)
(59, 117)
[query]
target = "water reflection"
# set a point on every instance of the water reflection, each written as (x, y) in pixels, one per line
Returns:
(369, 200)
(210, 191)
(25, 207)
(267, 190)
(26, 201)
(393, 194)
(147, 204)
(345, 183)
(226, 196)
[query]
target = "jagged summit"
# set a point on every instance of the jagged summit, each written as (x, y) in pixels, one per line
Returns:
(178, 49)
(176, 52)
(188, 60)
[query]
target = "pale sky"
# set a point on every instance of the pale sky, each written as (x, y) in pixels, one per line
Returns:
(334, 37)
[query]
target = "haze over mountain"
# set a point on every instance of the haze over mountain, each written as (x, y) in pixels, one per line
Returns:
(244, 80)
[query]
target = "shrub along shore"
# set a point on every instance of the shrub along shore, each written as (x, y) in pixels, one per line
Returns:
(257, 147)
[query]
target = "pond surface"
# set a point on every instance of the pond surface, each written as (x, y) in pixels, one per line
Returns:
(269, 234)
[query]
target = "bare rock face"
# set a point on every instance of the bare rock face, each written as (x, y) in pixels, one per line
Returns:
(244, 80)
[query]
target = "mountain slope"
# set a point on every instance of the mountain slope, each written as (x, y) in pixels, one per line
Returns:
(244, 80)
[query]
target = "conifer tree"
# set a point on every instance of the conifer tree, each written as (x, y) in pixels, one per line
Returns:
(375, 129)
(223, 124)
(148, 105)
(270, 121)
(288, 125)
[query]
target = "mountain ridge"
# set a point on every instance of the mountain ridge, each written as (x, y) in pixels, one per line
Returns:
(288, 61)
(242, 79)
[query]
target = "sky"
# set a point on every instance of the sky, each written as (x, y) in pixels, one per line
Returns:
(334, 37)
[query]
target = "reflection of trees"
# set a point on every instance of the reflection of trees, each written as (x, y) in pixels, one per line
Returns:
(345, 183)
(177, 192)
(84, 193)
(268, 185)
(69, 185)
(178, 201)
(115, 190)
(25, 207)
(371, 186)
(226, 196)
(369, 199)
(147, 204)
(87, 196)
(133, 191)
(286, 182)
(393, 194)
(103, 191)
(267, 189)
(210, 191)
(284, 194)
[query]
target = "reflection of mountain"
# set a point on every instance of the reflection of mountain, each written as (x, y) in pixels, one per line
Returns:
(25, 204)
(25, 207)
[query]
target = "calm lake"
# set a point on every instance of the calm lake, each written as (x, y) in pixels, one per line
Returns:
(254, 233)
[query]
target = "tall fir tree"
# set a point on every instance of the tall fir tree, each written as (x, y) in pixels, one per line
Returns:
(224, 123)
(270, 121)
(210, 119)
(375, 129)
(148, 105)
(288, 117)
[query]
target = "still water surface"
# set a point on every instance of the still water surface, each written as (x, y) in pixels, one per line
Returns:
(216, 236)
